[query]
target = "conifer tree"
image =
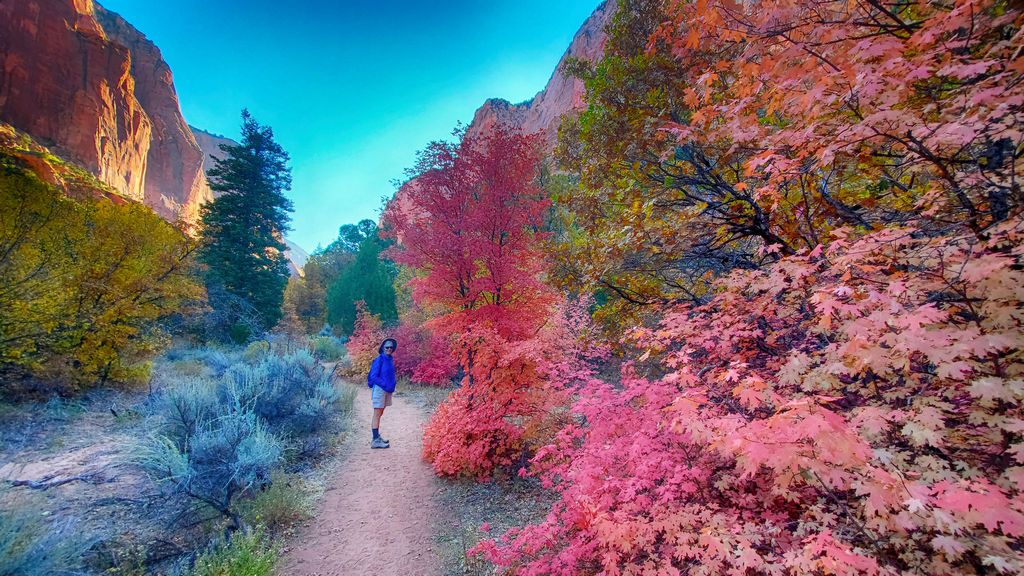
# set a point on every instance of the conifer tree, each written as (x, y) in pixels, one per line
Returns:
(368, 279)
(243, 229)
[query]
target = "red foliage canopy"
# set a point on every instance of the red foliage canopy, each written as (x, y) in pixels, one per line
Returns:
(856, 410)
(469, 223)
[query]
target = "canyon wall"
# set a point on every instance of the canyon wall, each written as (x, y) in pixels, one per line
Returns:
(562, 93)
(96, 91)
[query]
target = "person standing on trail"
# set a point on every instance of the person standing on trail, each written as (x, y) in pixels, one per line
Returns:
(382, 380)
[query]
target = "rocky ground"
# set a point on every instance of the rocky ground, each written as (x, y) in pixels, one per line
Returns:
(70, 463)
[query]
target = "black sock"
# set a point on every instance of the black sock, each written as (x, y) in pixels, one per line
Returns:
(376, 433)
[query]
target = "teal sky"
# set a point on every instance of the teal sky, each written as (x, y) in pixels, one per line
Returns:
(352, 89)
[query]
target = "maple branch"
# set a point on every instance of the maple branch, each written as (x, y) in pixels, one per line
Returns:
(871, 538)
(907, 29)
(624, 293)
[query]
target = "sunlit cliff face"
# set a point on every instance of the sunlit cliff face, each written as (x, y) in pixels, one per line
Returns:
(89, 85)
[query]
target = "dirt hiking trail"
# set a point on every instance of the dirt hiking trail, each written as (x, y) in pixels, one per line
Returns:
(376, 516)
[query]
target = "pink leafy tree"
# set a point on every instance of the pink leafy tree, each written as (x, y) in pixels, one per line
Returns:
(853, 410)
(858, 111)
(470, 225)
(363, 346)
(426, 357)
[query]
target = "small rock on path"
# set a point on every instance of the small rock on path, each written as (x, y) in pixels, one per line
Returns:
(376, 516)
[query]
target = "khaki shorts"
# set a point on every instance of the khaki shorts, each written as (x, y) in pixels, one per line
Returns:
(381, 399)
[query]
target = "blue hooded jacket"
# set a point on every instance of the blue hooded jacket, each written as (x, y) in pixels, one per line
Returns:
(382, 373)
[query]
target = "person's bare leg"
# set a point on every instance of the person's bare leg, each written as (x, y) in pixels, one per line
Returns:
(377, 413)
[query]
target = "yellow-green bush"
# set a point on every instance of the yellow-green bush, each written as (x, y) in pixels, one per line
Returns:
(327, 348)
(255, 351)
(285, 502)
(248, 553)
(84, 284)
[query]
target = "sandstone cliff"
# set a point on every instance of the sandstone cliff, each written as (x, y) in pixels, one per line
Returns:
(21, 149)
(562, 94)
(95, 91)
(175, 179)
(543, 113)
(297, 258)
(64, 82)
(210, 144)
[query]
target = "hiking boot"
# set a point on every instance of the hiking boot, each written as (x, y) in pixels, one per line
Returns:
(378, 443)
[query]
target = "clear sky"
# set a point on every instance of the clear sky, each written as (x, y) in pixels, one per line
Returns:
(352, 88)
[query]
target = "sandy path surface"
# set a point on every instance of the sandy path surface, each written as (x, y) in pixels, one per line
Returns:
(375, 518)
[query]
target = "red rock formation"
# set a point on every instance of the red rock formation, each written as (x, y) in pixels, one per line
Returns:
(66, 84)
(93, 89)
(543, 112)
(562, 94)
(175, 179)
(297, 258)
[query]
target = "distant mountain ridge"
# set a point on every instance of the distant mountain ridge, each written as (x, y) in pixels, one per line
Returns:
(210, 144)
(543, 113)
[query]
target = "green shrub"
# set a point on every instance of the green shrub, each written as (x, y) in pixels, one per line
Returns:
(199, 361)
(185, 407)
(256, 350)
(240, 333)
(30, 546)
(347, 400)
(248, 553)
(327, 348)
(118, 558)
(292, 393)
(84, 284)
(190, 367)
(218, 441)
(285, 502)
(216, 360)
(61, 409)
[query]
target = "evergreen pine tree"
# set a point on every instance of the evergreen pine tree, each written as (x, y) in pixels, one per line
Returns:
(243, 229)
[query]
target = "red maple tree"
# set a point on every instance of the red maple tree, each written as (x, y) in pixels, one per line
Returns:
(470, 224)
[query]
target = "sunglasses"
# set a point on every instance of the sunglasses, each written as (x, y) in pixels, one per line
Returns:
(389, 347)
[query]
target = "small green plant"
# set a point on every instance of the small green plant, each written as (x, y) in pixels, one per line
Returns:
(8, 410)
(285, 502)
(256, 350)
(347, 400)
(190, 367)
(327, 348)
(125, 560)
(60, 409)
(126, 416)
(248, 553)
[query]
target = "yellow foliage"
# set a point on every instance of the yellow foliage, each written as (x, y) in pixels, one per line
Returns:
(84, 284)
